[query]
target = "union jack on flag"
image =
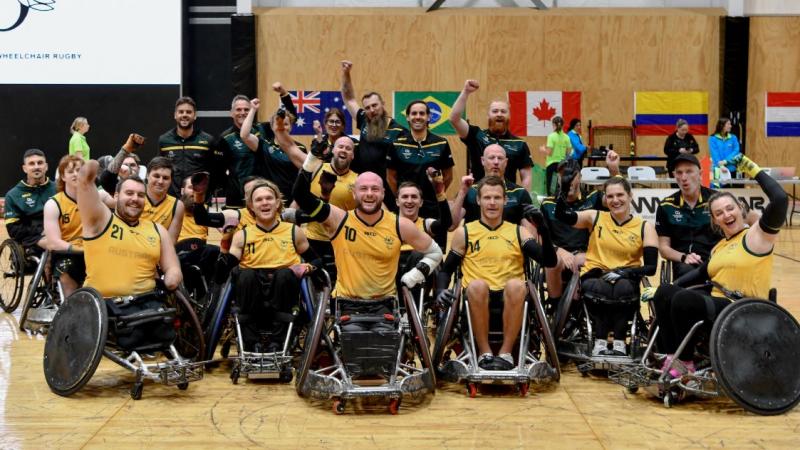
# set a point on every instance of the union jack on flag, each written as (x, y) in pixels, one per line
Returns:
(312, 105)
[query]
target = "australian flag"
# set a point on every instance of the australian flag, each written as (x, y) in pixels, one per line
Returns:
(312, 105)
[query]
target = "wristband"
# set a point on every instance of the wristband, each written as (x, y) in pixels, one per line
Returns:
(683, 258)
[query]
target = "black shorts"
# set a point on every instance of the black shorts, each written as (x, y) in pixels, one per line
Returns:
(72, 265)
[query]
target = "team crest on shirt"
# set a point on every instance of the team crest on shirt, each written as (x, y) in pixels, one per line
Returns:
(284, 244)
(151, 240)
(238, 145)
(678, 216)
(389, 241)
(30, 202)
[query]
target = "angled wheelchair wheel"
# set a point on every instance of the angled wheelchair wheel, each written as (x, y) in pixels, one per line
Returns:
(189, 339)
(444, 331)
(217, 320)
(75, 342)
(37, 292)
(755, 353)
(312, 344)
(420, 338)
(542, 328)
(12, 266)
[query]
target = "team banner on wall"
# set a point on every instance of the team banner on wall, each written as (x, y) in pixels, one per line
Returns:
(439, 103)
(646, 201)
(657, 112)
(312, 105)
(782, 114)
(532, 111)
(90, 42)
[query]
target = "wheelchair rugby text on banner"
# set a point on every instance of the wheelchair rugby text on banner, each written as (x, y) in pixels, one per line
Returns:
(645, 201)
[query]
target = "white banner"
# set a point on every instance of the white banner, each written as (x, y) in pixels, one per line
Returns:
(90, 42)
(646, 201)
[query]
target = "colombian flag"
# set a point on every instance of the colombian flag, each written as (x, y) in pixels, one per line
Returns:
(658, 111)
(439, 102)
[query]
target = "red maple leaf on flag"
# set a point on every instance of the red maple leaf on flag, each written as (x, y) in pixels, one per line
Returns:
(544, 112)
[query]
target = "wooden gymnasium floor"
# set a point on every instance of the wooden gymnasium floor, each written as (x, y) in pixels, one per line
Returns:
(577, 413)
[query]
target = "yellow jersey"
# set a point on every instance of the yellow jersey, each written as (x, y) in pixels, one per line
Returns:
(122, 259)
(367, 256)
(269, 249)
(191, 230)
(420, 223)
(162, 212)
(492, 254)
(341, 196)
(68, 219)
(613, 245)
(736, 268)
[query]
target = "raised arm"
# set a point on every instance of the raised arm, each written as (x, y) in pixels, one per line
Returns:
(457, 205)
(286, 98)
(168, 262)
(285, 141)
(250, 140)
(94, 214)
(612, 162)
(762, 236)
(320, 211)
(459, 124)
(348, 92)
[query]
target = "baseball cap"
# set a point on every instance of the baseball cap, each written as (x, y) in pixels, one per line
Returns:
(688, 157)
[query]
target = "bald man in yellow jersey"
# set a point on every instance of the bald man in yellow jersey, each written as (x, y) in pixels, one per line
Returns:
(123, 252)
(62, 225)
(491, 254)
(366, 241)
(160, 207)
(269, 255)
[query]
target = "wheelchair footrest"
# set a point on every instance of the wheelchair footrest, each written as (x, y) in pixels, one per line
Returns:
(632, 376)
(174, 374)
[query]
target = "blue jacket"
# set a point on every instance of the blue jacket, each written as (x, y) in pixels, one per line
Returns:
(723, 149)
(578, 148)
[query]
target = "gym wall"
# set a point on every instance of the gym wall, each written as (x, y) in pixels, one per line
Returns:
(605, 54)
(774, 66)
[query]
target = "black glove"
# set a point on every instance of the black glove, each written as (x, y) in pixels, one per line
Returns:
(617, 274)
(445, 299)
(327, 181)
(534, 216)
(569, 170)
(200, 182)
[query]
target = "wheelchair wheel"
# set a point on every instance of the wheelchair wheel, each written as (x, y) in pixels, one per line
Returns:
(12, 265)
(542, 328)
(755, 353)
(217, 320)
(37, 292)
(189, 339)
(445, 329)
(420, 338)
(75, 342)
(311, 346)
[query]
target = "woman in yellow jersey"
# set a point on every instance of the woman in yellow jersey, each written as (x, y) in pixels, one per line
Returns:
(740, 266)
(622, 249)
(268, 255)
(62, 225)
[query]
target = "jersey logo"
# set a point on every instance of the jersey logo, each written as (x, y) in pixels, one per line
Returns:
(151, 240)
(389, 241)
(30, 202)
(678, 216)
(238, 145)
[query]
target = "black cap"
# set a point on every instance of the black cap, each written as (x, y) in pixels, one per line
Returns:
(688, 157)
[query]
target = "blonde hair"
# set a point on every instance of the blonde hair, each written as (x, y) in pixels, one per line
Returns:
(77, 124)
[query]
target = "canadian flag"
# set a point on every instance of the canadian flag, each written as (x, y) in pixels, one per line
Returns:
(532, 111)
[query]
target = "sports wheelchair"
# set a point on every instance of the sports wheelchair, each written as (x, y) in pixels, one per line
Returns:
(273, 359)
(575, 336)
(45, 295)
(455, 355)
(15, 262)
(350, 355)
(126, 330)
(751, 355)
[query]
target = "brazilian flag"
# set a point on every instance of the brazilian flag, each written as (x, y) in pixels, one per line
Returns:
(439, 102)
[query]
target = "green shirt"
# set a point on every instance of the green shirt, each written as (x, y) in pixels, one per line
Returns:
(559, 142)
(77, 143)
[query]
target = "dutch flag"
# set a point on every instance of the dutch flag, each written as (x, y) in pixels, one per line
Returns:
(783, 114)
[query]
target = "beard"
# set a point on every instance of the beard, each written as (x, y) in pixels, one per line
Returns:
(373, 210)
(498, 125)
(340, 164)
(376, 128)
(188, 203)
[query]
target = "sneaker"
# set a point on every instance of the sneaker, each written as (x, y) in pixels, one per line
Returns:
(504, 361)
(675, 372)
(486, 361)
(619, 348)
(600, 346)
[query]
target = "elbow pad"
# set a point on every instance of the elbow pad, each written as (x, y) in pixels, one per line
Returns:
(432, 256)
